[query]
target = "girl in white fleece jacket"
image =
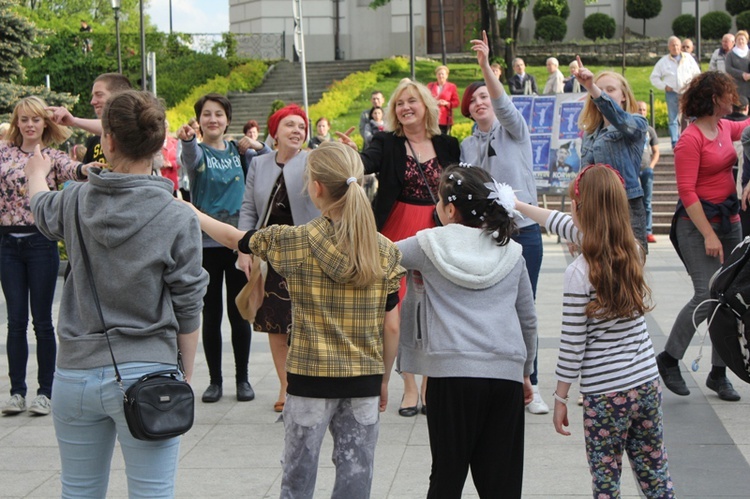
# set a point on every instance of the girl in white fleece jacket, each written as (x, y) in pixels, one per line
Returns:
(468, 322)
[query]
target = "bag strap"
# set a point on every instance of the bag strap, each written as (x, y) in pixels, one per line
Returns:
(276, 189)
(421, 171)
(87, 264)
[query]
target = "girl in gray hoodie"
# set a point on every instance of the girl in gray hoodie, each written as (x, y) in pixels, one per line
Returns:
(469, 323)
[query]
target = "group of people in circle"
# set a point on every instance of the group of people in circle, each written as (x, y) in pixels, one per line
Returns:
(437, 277)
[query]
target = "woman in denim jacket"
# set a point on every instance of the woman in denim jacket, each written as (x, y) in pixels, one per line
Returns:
(614, 134)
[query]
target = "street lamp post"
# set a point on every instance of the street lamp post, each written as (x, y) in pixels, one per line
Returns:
(116, 8)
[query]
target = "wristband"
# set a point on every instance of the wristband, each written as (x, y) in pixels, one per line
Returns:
(79, 172)
(560, 399)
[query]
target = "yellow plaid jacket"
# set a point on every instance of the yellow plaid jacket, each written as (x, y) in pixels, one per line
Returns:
(337, 329)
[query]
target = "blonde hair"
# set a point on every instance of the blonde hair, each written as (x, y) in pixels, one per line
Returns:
(447, 71)
(332, 164)
(608, 245)
(591, 117)
(4, 127)
(422, 93)
(742, 32)
(34, 106)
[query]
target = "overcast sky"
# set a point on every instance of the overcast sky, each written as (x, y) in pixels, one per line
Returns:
(191, 16)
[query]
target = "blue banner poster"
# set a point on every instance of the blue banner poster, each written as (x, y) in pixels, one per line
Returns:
(543, 115)
(540, 153)
(564, 163)
(569, 113)
(524, 103)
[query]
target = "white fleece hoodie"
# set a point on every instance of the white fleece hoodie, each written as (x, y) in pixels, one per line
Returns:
(469, 310)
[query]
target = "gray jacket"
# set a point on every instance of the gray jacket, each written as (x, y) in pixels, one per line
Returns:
(505, 152)
(145, 252)
(469, 310)
(262, 174)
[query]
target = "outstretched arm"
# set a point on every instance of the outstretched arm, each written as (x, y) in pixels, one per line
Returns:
(62, 116)
(537, 214)
(220, 232)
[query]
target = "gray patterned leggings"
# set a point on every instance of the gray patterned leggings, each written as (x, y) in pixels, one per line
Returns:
(353, 423)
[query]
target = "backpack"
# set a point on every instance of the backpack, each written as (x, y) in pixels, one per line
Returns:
(730, 327)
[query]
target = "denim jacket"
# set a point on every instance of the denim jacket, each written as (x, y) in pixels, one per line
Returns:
(619, 145)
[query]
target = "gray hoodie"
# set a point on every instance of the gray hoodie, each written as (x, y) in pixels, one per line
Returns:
(469, 310)
(145, 252)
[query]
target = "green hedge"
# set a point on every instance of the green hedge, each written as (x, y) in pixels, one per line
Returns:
(244, 78)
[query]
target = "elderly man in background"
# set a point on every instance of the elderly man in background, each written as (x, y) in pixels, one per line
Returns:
(555, 81)
(717, 62)
(672, 73)
(688, 48)
(521, 83)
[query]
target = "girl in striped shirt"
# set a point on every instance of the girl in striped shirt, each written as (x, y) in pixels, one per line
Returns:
(604, 339)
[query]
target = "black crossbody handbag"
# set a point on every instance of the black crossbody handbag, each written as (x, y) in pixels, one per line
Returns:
(160, 405)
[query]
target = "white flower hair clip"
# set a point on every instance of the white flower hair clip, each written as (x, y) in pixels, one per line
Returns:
(466, 165)
(502, 194)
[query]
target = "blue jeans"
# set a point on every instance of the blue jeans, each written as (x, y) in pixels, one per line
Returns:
(28, 273)
(700, 267)
(647, 183)
(87, 410)
(530, 239)
(673, 111)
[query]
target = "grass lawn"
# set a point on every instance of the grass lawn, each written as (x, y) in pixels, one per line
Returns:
(463, 74)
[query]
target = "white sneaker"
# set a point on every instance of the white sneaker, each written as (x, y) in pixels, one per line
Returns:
(15, 405)
(580, 399)
(537, 406)
(40, 405)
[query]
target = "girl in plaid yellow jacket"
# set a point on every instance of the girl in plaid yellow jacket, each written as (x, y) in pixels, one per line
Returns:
(343, 281)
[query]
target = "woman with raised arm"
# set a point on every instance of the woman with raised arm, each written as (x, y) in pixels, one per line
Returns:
(501, 145)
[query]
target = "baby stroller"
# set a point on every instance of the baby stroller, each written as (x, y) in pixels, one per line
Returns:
(730, 327)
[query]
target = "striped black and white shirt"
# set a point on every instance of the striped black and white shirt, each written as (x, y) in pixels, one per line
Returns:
(608, 355)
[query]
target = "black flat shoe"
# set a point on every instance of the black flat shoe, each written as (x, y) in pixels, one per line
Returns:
(723, 387)
(423, 410)
(212, 394)
(245, 392)
(672, 378)
(408, 412)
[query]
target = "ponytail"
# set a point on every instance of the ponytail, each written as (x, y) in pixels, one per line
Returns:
(339, 168)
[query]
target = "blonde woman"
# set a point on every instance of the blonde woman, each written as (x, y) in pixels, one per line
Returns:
(446, 94)
(408, 159)
(614, 134)
(28, 260)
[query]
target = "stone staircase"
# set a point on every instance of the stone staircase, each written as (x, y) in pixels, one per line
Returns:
(284, 81)
(663, 201)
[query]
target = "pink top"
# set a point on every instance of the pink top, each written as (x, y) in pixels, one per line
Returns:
(15, 210)
(703, 168)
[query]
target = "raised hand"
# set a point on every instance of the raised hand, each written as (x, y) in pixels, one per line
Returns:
(38, 165)
(186, 133)
(584, 76)
(60, 115)
(482, 48)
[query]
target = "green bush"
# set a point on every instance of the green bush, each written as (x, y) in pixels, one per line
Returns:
(551, 8)
(736, 7)
(743, 20)
(598, 26)
(174, 83)
(10, 94)
(684, 26)
(550, 29)
(243, 78)
(715, 24)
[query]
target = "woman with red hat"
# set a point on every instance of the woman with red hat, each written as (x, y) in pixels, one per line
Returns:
(275, 194)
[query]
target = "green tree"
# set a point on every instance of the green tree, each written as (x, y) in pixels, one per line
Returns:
(66, 15)
(643, 9)
(18, 39)
(736, 7)
(551, 8)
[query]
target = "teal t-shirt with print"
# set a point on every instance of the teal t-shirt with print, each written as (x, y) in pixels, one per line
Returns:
(219, 183)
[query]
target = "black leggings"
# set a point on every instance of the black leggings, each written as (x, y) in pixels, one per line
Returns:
(219, 263)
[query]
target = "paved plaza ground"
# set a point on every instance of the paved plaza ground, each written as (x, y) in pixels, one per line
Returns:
(234, 448)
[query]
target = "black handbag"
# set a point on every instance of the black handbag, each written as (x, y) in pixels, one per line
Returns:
(160, 405)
